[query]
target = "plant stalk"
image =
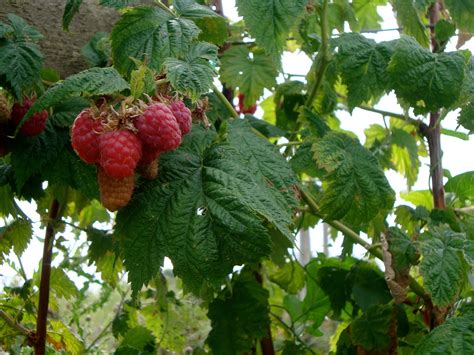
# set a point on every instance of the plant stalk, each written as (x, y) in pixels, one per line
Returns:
(225, 102)
(41, 321)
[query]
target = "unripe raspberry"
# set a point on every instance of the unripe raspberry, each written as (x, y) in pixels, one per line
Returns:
(35, 124)
(120, 152)
(115, 193)
(158, 128)
(149, 171)
(183, 116)
(85, 137)
(5, 109)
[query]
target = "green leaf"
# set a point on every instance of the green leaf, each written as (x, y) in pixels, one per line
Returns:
(98, 50)
(290, 277)
(357, 188)
(366, 13)
(94, 81)
(426, 81)
(462, 12)
(193, 75)
(66, 111)
(466, 117)
(442, 265)
(419, 198)
(20, 59)
(250, 71)
(363, 65)
(238, 316)
(32, 155)
(270, 21)
(462, 185)
(151, 35)
(455, 336)
(16, 236)
(65, 338)
(372, 330)
(61, 285)
(71, 8)
(410, 20)
(302, 161)
(403, 250)
(206, 212)
(192, 10)
(117, 4)
(404, 154)
(139, 339)
(213, 29)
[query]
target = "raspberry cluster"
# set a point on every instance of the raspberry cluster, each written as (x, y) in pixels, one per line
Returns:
(130, 139)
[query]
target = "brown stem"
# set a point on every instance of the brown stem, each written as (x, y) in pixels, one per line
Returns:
(266, 343)
(18, 327)
(41, 322)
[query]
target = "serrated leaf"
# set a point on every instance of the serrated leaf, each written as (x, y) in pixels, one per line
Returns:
(98, 50)
(238, 317)
(419, 198)
(32, 155)
(404, 154)
(466, 117)
(139, 339)
(65, 112)
(94, 81)
(205, 213)
(357, 188)
(62, 338)
(442, 265)
(15, 236)
(372, 330)
(462, 12)
(192, 10)
(462, 185)
(403, 250)
(117, 4)
(213, 29)
(455, 336)
(291, 277)
(270, 21)
(302, 161)
(20, 59)
(409, 19)
(426, 81)
(193, 75)
(251, 72)
(141, 81)
(366, 13)
(363, 65)
(151, 35)
(70, 9)
(61, 285)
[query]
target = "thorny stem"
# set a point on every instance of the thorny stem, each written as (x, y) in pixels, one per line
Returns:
(41, 322)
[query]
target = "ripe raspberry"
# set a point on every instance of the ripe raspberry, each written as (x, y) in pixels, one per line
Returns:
(246, 110)
(158, 128)
(120, 152)
(5, 109)
(85, 135)
(149, 171)
(35, 124)
(183, 116)
(115, 193)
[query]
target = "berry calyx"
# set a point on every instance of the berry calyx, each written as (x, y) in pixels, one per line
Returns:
(85, 137)
(158, 128)
(120, 152)
(183, 116)
(115, 193)
(35, 124)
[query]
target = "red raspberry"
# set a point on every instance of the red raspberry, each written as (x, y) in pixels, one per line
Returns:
(35, 124)
(183, 116)
(115, 193)
(85, 135)
(158, 128)
(120, 152)
(246, 110)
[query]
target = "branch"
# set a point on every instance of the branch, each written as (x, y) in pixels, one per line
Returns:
(17, 326)
(348, 232)
(41, 322)
(225, 102)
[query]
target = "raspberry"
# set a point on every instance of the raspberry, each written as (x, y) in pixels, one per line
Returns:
(246, 110)
(158, 128)
(120, 152)
(183, 116)
(5, 109)
(149, 171)
(115, 193)
(85, 136)
(35, 124)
